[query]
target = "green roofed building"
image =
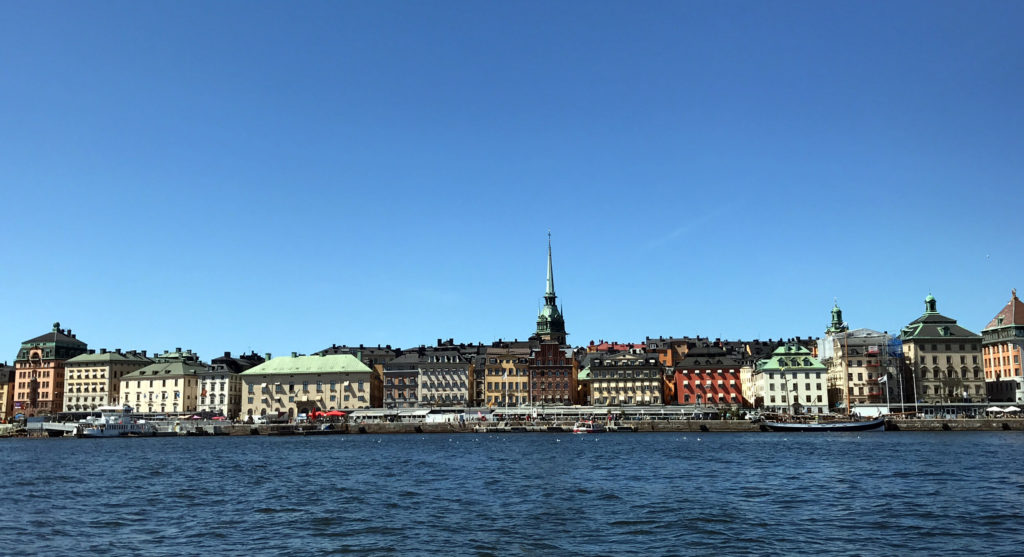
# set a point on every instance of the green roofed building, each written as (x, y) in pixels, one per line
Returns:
(945, 358)
(163, 387)
(793, 381)
(293, 385)
(94, 379)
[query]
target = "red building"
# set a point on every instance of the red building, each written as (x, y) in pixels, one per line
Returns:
(708, 376)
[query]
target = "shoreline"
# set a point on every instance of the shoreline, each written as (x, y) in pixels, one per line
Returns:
(646, 426)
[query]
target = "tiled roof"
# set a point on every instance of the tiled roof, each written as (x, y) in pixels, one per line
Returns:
(1011, 314)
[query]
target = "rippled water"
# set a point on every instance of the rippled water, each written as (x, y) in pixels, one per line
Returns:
(534, 494)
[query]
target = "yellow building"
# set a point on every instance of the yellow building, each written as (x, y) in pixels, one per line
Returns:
(296, 385)
(164, 387)
(506, 376)
(93, 380)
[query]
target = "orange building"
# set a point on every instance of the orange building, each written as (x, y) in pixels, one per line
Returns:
(1002, 342)
(39, 371)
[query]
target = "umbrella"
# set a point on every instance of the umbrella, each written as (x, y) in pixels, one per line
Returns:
(334, 413)
(1011, 409)
(993, 409)
(219, 418)
(195, 417)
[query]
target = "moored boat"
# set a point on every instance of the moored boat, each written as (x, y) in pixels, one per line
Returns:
(877, 424)
(587, 426)
(115, 421)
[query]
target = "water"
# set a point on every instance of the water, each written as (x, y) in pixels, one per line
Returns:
(531, 494)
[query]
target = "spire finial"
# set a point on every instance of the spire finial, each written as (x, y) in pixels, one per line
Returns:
(550, 290)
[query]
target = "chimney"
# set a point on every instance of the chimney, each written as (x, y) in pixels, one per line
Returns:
(143, 353)
(267, 356)
(439, 342)
(92, 351)
(295, 354)
(227, 354)
(103, 350)
(178, 349)
(118, 350)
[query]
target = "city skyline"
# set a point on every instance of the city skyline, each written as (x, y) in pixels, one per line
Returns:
(273, 178)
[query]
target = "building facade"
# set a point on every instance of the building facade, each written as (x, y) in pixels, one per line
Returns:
(506, 376)
(944, 357)
(293, 385)
(553, 375)
(168, 387)
(220, 386)
(94, 379)
(1003, 353)
(709, 376)
(6, 391)
(39, 371)
(793, 381)
(625, 379)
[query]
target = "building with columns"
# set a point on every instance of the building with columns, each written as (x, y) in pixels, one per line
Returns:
(1002, 350)
(39, 371)
(944, 357)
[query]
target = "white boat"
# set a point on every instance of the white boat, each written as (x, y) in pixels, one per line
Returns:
(115, 421)
(587, 426)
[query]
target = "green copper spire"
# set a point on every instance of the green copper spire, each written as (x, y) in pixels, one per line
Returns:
(550, 323)
(837, 320)
(550, 291)
(929, 304)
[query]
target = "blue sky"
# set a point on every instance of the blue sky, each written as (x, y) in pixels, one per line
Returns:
(283, 176)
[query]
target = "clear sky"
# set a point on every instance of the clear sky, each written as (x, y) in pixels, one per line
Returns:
(283, 176)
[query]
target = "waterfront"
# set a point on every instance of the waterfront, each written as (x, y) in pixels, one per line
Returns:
(483, 494)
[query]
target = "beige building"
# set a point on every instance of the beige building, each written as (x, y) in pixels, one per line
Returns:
(626, 379)
(170, 387)
(506, 376)
(293, 385)
(856, 361)
(945, 358)
(93, 380)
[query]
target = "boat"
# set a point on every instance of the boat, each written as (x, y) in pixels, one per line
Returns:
(115, 421)
(587, 426)
(877, 424)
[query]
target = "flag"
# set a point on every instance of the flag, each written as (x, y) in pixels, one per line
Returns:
(883, 379)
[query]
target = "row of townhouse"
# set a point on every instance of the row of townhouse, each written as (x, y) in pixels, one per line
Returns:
(931, 360)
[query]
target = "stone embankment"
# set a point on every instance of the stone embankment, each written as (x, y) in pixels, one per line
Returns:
(678, 426)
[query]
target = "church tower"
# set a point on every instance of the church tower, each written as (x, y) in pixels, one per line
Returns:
(550, 323)
(837, 320)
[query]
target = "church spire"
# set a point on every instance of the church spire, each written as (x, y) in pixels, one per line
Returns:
(550, 323)
(549, 293)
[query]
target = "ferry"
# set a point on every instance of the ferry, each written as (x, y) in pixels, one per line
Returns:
(115, 421)
(587, 426)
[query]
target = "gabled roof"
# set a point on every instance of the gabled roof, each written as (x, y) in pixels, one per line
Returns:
(792, 357)
(1011, 314)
